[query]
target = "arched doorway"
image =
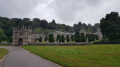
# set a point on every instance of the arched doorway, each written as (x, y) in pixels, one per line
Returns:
(20, 42)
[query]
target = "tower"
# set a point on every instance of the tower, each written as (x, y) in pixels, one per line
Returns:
(23, 36)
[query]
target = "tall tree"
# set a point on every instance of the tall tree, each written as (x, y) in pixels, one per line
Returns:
(110, 26)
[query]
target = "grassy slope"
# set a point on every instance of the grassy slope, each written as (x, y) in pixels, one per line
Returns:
(80, 56)
(3, 52)
(45, 31)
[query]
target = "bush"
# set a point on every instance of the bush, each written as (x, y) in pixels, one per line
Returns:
(77, 37)
(105, 40)
(62, 38)
(46, 38)
(91, 37)
(9, 39)
(36, 39)
(51, 38)
(97, 37)
(72, 38)
(40, 39)
(2, 35)
(67, 38)
(58, 38)
(83, 38)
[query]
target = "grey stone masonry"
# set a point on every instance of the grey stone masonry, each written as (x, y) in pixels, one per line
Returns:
(23, 36)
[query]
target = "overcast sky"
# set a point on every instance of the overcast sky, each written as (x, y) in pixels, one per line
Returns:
(63, 11)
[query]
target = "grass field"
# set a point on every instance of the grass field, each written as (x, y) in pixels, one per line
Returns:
(80, 56)
(3, 52)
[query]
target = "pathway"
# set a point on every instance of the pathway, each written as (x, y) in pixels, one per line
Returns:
(19, 57)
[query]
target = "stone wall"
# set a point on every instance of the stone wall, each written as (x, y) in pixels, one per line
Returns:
(5, 43)
(60, 44)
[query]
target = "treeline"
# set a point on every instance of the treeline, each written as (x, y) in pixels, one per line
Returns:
(78, 37)
(7, 25)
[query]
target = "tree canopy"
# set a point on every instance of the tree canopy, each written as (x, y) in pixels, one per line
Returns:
(110, 26)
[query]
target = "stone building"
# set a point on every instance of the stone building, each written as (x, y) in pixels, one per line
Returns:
(23, 36)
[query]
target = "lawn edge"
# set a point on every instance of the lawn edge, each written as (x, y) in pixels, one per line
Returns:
(2, 60)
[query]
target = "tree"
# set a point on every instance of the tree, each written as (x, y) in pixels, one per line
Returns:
(37, 22)
(46, 38)
(96, 37)
(95, 27)
(10, 39)
(58, 38)
(2, 35)
(27, 22)
(77, 27)
(72, 38)
(36, 39)
(91, 37)
(83, 38)
(110, 26)
(17, 22)
(40, 39)
(51, 38)
(67, 38)
(62, 38)
(44, 24)
(53, 22)
(77, 37)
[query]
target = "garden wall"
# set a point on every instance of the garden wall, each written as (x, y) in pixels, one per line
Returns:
(5, 43)
(60, 44)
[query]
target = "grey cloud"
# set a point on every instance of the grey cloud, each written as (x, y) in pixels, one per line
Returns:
(17, 8)
(87, 11)
(67, 9)
(63, 11)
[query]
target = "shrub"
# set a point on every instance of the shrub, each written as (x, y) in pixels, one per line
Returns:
(9, 39)
(67, 38)
(2, 35)
(46, 38)
(83, 38)
(77, 37)
(40, 39)
(58, 38)
(91, 37)
(51, 38)
(72, 38)
(36, 39)
(62, 38)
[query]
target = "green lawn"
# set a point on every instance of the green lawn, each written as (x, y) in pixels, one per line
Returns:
(80, 56)
(3, 52)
